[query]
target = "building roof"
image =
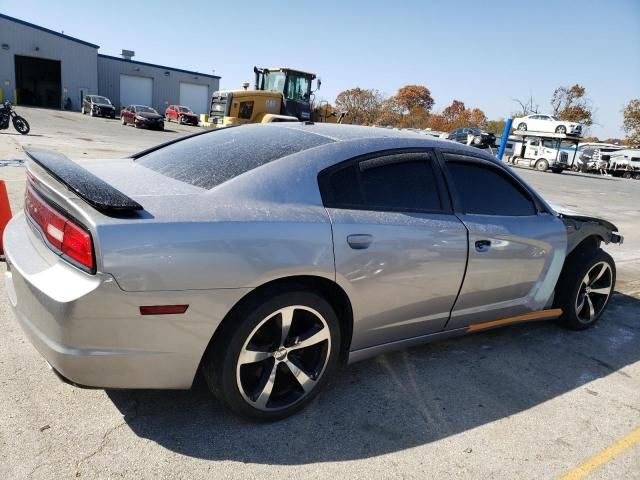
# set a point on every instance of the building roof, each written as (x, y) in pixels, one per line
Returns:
(158, 66)
(52, 32)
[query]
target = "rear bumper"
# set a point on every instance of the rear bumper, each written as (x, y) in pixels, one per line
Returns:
(91, 332)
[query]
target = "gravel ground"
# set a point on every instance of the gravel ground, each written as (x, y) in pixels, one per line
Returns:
(528, 401)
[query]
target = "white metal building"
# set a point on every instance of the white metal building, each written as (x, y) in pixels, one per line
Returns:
(42, 67)
(129, 82)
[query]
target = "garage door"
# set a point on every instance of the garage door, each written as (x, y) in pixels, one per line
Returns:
(136, 90)
(194, 96)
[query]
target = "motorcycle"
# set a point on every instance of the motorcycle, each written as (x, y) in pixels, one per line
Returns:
(19, 123)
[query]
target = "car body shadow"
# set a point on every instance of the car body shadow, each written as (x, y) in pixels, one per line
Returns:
(400, 400)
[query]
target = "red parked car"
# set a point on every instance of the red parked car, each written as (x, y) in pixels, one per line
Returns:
(181, 114)
(141, 116)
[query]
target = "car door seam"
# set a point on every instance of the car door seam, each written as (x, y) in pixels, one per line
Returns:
(464, 274)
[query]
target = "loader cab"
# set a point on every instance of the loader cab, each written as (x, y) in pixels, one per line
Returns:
(293, 85)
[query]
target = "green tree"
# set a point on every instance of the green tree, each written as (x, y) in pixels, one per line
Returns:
(496, 126)
(631, 123)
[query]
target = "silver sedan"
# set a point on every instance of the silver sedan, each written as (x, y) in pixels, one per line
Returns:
(266, 255)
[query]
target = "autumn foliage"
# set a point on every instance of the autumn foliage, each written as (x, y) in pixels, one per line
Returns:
(410, 107)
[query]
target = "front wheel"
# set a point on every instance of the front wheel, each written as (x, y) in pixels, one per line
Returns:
(21, 125)
(585, 287)
(275, 356)
(542, 165)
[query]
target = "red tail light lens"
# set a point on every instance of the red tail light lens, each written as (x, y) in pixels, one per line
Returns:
(62, 233)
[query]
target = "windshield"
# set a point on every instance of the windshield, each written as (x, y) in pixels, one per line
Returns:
(299, 87)
(184, 109)
(143, 109)
(274, 82)
(103, 100)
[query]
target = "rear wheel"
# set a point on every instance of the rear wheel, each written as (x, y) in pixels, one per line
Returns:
(561, 129)
(274, 356)
(556, 170)
(627, 175)
(522, 126)
(585, 287)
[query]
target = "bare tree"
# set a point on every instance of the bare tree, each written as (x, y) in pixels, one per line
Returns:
(527, 107)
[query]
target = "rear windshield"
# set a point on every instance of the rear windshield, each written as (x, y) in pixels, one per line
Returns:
(213, 158)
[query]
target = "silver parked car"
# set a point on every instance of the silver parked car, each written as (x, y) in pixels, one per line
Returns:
(265, 255)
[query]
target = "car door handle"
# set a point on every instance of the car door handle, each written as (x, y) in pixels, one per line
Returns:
(359, 241)
(483, 246)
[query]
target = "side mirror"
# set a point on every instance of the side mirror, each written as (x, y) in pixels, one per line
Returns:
(319, 82)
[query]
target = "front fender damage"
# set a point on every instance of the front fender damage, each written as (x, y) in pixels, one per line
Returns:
(580, 227)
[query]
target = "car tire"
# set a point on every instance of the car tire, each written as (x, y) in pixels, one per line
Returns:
(269, 386)
(561, 129)
(627, 175)
(556, 170)
(91, 113)
(522, 127)
(82, 110)
(542, 165)
(122, 120)
(180, 120)
(585, 287)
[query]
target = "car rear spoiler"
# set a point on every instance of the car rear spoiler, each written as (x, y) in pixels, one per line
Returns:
(95, 191)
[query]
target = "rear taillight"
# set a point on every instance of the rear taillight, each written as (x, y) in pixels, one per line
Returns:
(63, 234)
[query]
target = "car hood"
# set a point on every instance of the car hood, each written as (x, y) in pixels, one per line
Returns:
(150, 116)
(187, 114)
(103, 105)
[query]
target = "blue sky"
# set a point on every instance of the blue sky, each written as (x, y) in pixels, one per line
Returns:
(483, 53)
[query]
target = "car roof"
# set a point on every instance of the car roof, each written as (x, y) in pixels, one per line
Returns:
(344, 132)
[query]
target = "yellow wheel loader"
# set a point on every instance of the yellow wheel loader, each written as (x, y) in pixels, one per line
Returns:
(279, 95)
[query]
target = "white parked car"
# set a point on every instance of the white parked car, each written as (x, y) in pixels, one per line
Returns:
(547, 123)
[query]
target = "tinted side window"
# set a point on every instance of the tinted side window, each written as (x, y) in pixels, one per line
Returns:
(485, 190)
(398, 182)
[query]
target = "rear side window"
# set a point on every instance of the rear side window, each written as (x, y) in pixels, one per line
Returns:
(210, 159)
(397, 182)
(484, 190)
